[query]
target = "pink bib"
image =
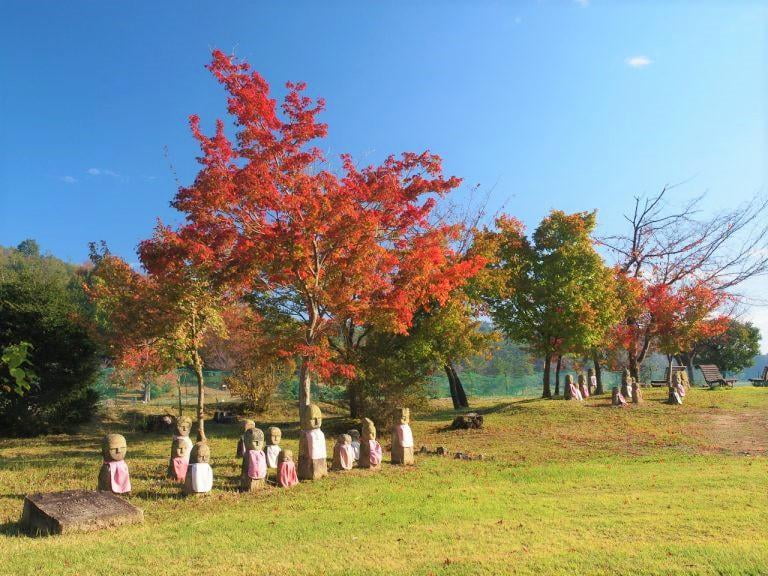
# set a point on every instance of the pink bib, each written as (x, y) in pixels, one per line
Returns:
(405, 436)
(316, 444)
(180, 465)
(286, 474)
(375, 452)
(257, 464)
(346, 456)
(120, 480)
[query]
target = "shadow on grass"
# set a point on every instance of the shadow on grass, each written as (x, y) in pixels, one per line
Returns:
(12, 529)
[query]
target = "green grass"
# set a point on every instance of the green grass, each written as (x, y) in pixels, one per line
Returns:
(564, 489)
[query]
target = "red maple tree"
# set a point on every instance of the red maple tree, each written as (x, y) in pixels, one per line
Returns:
(270, 216)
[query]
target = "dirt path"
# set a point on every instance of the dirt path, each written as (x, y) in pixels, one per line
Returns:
(736, 432)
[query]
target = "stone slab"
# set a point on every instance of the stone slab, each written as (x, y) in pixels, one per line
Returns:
(76, 511)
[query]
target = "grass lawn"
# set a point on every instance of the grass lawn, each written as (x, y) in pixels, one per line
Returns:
(565, 489)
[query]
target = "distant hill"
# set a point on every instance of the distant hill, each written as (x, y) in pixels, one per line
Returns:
(756, 369)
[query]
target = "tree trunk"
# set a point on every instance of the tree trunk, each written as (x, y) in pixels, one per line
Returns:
(460, 392)
(453, 385)
(355, 404)
(547, 393)
(147, 392)
(198, 366)
(557, 374)
(305, 381)
(598, 373)
(181, 411)
(633, 367)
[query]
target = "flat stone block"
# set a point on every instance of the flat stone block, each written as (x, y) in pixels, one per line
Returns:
(76, 511)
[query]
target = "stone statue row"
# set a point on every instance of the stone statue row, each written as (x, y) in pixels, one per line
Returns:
(677, 388)
(582, 388)
(190, 464)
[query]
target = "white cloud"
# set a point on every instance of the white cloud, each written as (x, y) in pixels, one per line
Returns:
(638, 61)
(584, 3)
(102, 172)
(68, 179)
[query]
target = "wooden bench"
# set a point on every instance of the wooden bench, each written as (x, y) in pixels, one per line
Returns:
(763, 380)
(713, 377)
(667, 379)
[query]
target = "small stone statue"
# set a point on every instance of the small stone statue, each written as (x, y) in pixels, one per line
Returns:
(247, 425)
(312, 449)
(199, 478)
(402, 438)
(370, 449)
(286, 470)
(637, 395)
(274, 435)
(177, 465)
(253, 473)
(571, 391)
(181, 445)
(355, 434)
(583, 387)
(591, 381)
(114, 476)
(677, 389)
(617, 398)
(343, 455)
(626, 384)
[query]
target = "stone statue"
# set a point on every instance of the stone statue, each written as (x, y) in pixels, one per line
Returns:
(343, 455)
(626, 383)
(591, 380)
(247, 425)
(274, 435)
(677, 389)
(312, 449)
(637, 395)
(199, 478)
(571, 391)
(402, 438)
(177, 465)
(286, 470)
(370, 449)
(253, 473)
(114, 476)
(583, 387)
(355, 434)
(617, 398)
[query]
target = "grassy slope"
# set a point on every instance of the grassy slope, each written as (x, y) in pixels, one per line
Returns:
(567, 489)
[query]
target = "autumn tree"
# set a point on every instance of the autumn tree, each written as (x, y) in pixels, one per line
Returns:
(156, 321)
(552, 292)
(680, 249)
(333, 251)
(734, 349)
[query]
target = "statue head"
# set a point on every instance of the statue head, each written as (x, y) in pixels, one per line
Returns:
(114, 447)
(582, 380)
(676, 379)
(615, 393)
(183, 425)
(274, 435)
(179, 449)
(402, 416)
(247, 425)
(253, 439)
(311, 417)
(284, 456)
(200, 454)
(590, 372)
(344, 439)
(354, 434)
(569, 380)
(369, 429)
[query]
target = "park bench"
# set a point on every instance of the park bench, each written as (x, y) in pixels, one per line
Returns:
(713, 377)
(667, 379)
(763, 380)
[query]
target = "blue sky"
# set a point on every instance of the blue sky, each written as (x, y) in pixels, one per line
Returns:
(547, 104)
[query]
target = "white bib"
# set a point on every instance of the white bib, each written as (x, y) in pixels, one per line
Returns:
(316, 444)
(405, 436)
(271, 452)
(202, 477)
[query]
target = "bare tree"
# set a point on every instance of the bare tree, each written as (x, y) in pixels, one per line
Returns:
(679, 246)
